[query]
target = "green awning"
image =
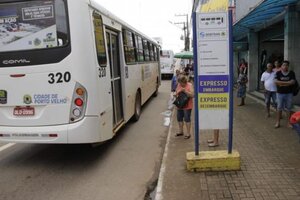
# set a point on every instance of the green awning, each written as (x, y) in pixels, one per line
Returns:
(184, 55)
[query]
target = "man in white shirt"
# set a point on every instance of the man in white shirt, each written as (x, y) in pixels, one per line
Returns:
(270, 87)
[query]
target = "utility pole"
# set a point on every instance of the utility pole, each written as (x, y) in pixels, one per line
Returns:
(185, 30)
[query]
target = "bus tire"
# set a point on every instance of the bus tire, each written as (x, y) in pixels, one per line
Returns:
(137, 107)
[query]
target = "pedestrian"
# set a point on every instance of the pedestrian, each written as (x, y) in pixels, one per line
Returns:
(189, 72)
(243, 65)
(184, 114)
(215, 141)
(284, 80)
(187, 69)
(270, 87)
(175, 80)
(242, 86)
(277, 65)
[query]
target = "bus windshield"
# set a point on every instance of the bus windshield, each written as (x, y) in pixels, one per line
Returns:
(32, 25)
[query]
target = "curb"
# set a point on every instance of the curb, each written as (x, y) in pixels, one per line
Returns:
(158, 195)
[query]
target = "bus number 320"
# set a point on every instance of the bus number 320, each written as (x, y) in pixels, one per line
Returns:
(102, 72)
(59, 77)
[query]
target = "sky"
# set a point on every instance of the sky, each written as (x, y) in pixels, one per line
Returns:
(155, 18)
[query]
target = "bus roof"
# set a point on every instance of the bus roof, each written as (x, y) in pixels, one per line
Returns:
(110, 15)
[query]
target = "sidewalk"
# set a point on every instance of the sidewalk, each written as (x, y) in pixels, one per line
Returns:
(270, 167)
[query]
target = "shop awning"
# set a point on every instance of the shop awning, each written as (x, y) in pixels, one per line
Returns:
(266, 11)
(184, 55)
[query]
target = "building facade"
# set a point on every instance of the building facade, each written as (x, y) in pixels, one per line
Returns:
(271, 31)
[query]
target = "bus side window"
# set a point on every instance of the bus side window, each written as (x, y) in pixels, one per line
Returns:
(135, 44)
(151, 51)
(129, 46)
(140, 49)
(146, 50)
(99, 38)
(155, 53)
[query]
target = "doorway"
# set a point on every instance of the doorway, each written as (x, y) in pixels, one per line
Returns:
(116, 82)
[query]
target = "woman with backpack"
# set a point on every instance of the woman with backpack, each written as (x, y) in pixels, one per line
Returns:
(184, 111)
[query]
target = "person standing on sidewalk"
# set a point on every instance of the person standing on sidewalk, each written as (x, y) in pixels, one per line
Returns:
(270, 87)
(242, 81)
(175, 80)
(184, 114)
(277, 65)
(244, 66)
(284, 81)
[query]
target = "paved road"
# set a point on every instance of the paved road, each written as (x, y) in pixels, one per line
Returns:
(120, 169)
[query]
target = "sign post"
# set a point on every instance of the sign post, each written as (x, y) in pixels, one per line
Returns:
(213, 70)
(213, 61)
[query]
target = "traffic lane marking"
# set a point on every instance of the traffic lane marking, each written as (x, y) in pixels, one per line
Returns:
(6, 146)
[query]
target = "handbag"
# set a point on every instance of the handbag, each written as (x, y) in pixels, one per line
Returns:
(181, 100)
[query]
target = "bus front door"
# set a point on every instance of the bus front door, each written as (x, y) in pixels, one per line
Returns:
(116, 84)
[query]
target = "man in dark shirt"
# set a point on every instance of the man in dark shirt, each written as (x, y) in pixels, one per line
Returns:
(284, 80)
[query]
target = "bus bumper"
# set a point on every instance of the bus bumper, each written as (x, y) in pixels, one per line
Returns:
(85, 131)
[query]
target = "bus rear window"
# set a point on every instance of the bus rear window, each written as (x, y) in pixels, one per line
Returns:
(32, 25)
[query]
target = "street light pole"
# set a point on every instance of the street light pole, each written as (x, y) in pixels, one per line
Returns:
(187, 33)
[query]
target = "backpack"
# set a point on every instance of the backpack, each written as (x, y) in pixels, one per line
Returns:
(181, 100)
(296, 88)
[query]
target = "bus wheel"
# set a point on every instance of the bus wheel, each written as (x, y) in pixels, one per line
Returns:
(137, 107)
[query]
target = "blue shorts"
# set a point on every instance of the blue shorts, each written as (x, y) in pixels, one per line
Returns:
(184, 114)
(268, 96)
(284, 101)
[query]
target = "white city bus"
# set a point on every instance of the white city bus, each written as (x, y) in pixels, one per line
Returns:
(70, 71)
(167, 63)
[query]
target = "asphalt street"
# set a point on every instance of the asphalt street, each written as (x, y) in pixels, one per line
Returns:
(122, 168)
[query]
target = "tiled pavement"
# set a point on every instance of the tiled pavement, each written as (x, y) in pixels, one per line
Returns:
(270, 162)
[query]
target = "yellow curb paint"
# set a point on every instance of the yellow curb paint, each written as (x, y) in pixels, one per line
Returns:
(213, 161)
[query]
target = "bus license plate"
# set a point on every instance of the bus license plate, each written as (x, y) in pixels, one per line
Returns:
(23, 111)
